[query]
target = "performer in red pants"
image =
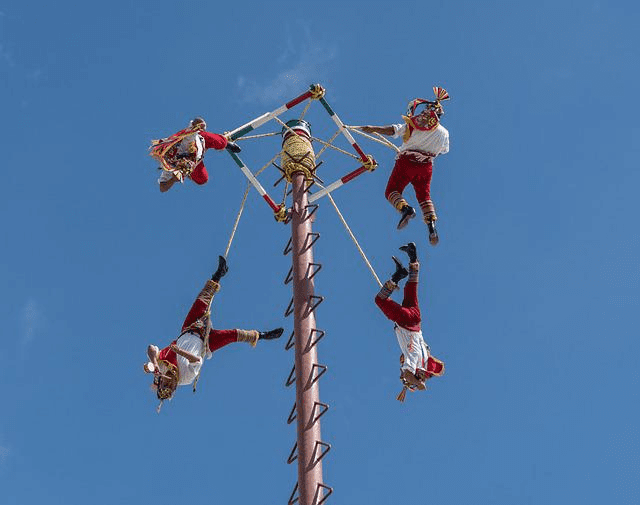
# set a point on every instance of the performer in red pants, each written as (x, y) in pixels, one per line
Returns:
(417, 364)
(424, 138)
(179, 363)
(181, 154)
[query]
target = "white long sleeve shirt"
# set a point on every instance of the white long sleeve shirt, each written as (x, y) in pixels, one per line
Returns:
(435, 141)
(187, 372)
(414, 348)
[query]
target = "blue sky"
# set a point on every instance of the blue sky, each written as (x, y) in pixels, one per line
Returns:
(531, 297)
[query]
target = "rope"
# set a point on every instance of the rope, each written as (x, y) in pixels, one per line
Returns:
(286, 187)
(235, 226)
(306, 108)
(355, 241)
(324, 148)
(266, 165)
(336, 148)
(247, 137)
(226, 254)
(284, 125)
(244, 200)
(381, 140)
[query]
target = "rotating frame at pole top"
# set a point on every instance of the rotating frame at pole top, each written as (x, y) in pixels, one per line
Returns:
(315, 92)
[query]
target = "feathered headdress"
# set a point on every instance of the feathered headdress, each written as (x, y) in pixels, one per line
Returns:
(160, 148)
(441, 95)
(436, 110)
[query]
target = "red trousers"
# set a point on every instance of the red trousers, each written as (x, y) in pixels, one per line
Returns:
(217, 338)
(211, 141)
(407, 171)
(406, 315)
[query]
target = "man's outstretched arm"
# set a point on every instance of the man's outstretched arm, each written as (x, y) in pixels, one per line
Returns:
(166, 185)
(383, 130)
(152, 352)
(192, 358)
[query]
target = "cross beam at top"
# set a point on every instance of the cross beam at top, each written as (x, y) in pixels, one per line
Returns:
(315, 92)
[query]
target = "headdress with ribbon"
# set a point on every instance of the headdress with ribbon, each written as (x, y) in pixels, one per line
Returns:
(160, 148)
(436, 110)
(435, 368)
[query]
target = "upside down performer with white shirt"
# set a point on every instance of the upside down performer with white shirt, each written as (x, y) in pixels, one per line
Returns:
(179, 363)
(424, 138)
(416, 363)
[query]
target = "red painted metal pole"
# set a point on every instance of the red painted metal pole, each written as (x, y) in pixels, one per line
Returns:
(307, 391)
(310, 448)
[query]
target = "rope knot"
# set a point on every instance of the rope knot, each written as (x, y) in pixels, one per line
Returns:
(370, 164)
(293, 167)
(317, 92)
(281, 215)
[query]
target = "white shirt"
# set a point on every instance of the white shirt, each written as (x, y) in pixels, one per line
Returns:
(187, 372)
(435, 141)
(183, 147)
(414, 348)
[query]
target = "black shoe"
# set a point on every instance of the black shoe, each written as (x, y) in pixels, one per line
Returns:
(400, 273)
(222, 269)
(408, 213)
(233, 147)
(271, 335)
(410, 249)
(433, 234)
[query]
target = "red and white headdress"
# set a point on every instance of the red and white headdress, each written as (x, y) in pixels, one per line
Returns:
(434, 108)
(441, 95)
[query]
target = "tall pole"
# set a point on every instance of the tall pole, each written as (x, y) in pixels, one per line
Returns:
(298, 161)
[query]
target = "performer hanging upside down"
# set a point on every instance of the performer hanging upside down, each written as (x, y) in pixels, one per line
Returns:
(179, 363)
(424, 138)
(416, 363)
(181, 154)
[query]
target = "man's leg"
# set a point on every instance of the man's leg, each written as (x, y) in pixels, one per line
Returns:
(391, 309)
(398, 180)
(200, 175)
(213, 140)
(220, 338)
(201, 305)
(422, 187)
(410, 299)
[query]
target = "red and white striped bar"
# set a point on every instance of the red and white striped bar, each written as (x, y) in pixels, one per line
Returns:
(344, 131)
(255, 182)
(259, 121)
(370, 163)
(341, 182)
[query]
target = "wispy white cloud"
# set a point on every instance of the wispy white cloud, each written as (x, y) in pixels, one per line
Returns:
(32, 320)
(305, 62)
